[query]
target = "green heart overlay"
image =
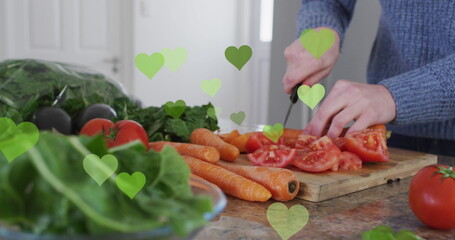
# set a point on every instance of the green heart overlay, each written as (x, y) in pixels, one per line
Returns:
(214, 112)
(100, 169)
(238, 57)
(287, 222)
(176, 109)
(317, 42)
(238, 117)
(311, 96)
(149, 65)
(211, 87)
(173, 59)
(16, 140)
(273, 133)
(130, 184)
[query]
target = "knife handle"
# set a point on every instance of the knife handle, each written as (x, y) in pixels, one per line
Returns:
(294, 95)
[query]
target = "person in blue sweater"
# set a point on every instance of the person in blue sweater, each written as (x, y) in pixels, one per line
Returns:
(410, 76)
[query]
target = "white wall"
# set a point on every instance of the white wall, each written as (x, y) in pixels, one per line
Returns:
(2, 29)
(205, 28)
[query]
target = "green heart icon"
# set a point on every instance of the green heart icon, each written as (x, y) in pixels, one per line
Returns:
(238, 57)
(287, 222)
(16, 140)
(317, 42)
(273, 133)
(100, 169)
(238, 117)
(130, 184)
(149, 65)
(176, 109)
(211, 87)
(311, 96)
(214, 112)
(173, 59)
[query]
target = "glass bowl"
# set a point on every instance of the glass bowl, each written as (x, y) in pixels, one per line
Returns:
(199, 187)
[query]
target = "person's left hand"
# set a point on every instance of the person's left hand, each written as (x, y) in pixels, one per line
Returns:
(366, 104)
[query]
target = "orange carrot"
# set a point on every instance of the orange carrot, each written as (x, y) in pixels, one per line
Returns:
(229, 136)
(231, 183)
(196, 176)
(205, 137)
(206, 153)
(223, 136)
(282, 183)
(240, 141)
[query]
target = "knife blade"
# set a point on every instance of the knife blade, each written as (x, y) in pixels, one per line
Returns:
(293, 99)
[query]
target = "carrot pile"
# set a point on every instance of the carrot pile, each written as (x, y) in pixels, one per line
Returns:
(228, 181)
(245, 182)
(206, 153)
(206, 137)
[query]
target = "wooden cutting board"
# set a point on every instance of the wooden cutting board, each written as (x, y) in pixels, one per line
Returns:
(318, 187)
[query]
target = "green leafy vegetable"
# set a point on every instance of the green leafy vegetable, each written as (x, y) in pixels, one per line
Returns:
(161, 126)
(27, 85)
(383, 232)
(48, 191)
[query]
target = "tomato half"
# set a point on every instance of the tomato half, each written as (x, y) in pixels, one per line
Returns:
(122, 132)
(321, 155)
(349, 161)
(369, 145)
(257, 140)
(432, 196)
(272, 156)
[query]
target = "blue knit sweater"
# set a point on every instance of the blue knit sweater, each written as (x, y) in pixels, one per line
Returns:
(413, 56)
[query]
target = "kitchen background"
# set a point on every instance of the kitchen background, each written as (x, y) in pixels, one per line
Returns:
(105, 35)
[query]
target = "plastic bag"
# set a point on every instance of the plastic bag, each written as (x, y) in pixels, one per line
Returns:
(26, 85)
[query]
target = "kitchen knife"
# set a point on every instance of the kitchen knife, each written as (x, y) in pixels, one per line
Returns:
(293, 98)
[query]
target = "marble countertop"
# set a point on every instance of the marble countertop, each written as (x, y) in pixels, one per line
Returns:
(345, 217)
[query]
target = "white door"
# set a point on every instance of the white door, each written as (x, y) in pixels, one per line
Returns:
(83, 32)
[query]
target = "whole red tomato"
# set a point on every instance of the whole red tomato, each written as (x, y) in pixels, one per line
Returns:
(432, 196)
(122, 132)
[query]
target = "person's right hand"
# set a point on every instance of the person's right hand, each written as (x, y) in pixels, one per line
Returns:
(303, 68)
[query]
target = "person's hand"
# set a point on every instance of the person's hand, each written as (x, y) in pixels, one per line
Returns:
(303, 68)
(366, 104)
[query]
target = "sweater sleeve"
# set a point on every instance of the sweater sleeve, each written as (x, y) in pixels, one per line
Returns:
(425, 94)
(335, 14)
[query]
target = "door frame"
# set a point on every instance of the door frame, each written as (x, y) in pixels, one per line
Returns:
(127, 28)
(258, 75)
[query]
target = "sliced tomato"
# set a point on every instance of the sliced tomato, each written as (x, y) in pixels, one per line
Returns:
(341, 143)
(257, 140)
(272, 156)
(379, 127)
(349, 161)
(320, 143)
(321, 155)
(304, 141)
(369, 144)
(290, 136)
